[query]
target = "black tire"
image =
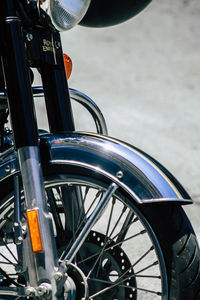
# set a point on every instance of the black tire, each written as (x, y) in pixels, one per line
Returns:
(180, 249)
(155, 254)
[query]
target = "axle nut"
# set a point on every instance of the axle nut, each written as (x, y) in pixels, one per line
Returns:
(58, 276)
(43, 289)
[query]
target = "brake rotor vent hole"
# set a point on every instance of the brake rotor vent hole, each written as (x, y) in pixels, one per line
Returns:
(106, 264)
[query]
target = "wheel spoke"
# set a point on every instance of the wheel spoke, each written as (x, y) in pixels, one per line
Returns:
(111, 286)
(10, 280)
(124, 229)
(117, 257)
(133, 275)
(118, 220)
(83, 205)
(98, 195)
(11, 253)
(106, 239)
(8, 260)
(121, 279)
(5, 263)
(141, 289)
(137, 262)
(112, 246)
(148, 267)
(119, 235)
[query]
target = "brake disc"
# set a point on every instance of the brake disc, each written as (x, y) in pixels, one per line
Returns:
(107, 268)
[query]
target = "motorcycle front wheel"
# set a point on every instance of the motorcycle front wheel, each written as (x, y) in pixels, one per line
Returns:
(132, 252)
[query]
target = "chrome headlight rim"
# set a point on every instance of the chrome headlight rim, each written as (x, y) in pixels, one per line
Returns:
(65, 14)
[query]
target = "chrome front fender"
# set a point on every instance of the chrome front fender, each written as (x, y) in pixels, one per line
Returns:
(133, 170)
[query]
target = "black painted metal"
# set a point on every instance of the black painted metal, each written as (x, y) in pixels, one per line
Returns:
(102, 13)
(57, 99)
(19, 90)
(7, 8)
(56, 90)
(44, 51)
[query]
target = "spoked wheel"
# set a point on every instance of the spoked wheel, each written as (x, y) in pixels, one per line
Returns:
(132, 252)
(120, 258)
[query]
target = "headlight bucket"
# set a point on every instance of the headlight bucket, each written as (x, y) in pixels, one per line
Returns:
(104, 13)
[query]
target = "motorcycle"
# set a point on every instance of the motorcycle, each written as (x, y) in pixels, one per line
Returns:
(82, 215)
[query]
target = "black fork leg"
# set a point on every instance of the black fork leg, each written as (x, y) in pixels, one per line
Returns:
(57, 99)
(41, 266)
(18, 86)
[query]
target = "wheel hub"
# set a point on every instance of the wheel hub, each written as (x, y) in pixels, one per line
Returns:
(76, 287)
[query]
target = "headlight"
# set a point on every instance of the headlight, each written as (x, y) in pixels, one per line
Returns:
(65, 14)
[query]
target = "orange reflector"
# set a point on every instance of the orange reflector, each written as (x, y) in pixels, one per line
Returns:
(34, 229)
(68, 65)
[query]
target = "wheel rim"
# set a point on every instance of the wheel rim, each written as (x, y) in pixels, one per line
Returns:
(120, 259)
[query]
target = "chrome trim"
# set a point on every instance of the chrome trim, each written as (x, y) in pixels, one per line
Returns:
(3, 100)
(13, 291)
(140, 175)
(107, 157)
(39, 267)
(86, 102)
(98, 170)
(93, 109)
(7, 152)
(3, 96)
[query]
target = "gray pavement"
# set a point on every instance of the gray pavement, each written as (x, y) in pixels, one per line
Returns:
(145, 76)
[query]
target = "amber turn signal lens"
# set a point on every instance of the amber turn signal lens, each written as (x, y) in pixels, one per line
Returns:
(68, 65)
(34, 229)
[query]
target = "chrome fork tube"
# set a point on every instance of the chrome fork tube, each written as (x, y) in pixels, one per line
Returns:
(41, 265)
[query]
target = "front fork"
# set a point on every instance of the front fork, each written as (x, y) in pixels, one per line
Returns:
(41, 264)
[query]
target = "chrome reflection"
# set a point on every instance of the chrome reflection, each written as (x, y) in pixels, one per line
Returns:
(86, 102)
